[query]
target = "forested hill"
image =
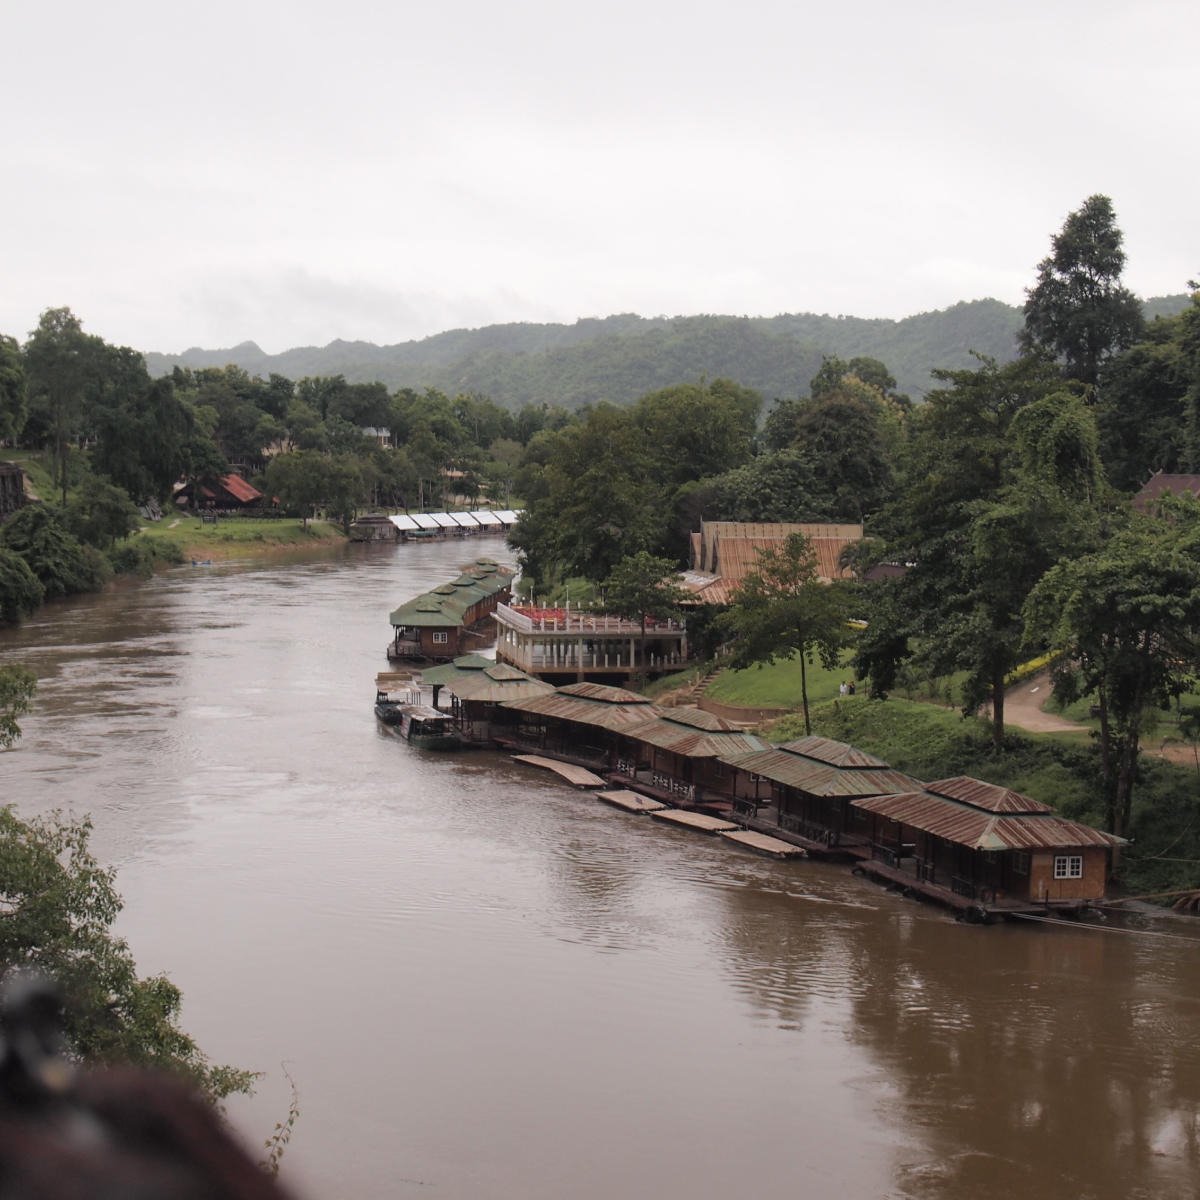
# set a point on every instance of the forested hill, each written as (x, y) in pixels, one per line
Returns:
(619, 358)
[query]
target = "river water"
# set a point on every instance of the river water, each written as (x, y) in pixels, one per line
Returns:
(488, 985)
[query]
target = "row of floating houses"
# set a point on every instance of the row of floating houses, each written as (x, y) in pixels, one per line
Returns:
(979, 849)
(553, 691)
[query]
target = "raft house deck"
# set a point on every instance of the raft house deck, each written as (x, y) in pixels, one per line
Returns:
(576, 646)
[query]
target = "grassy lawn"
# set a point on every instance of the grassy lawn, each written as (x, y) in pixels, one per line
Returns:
(38, 467)
(778, 685)
(237, 538)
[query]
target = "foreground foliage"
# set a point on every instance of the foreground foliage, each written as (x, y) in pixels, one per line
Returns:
(57, 906)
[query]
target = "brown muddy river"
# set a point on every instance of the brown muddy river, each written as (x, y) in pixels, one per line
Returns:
(488, 985)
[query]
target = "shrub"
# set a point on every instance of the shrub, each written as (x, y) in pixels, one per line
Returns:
(63, 566)
(20, 590)
(141, 557)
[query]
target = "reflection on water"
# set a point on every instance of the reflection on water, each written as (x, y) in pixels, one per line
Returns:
(489, 985)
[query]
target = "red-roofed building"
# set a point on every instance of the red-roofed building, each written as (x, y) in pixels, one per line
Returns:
(1159, 484)
(230, 491)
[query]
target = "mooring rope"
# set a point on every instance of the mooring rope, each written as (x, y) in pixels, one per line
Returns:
(1177, 937)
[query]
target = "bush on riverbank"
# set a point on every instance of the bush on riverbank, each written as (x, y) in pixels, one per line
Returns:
(1061, 770)
(141, 556)
(21, 592)
(62, 564)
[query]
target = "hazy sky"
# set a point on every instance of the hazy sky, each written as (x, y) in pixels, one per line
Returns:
(201, 174)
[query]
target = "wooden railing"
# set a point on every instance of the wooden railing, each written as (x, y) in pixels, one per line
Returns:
(810, 831)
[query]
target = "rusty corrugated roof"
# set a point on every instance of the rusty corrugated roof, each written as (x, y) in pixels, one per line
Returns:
(697, 718)
(822, 779)
(236, 486)
(737, 557)
(988, 796)
(601, 691)
(690, 742)
(480, 685)
(584, 711)
(502, 672)
(956, 822)
(837, 754)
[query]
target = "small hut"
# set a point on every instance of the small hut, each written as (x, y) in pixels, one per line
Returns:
(986, 843)
(806, 787)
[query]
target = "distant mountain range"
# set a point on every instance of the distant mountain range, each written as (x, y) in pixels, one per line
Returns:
(619, 358)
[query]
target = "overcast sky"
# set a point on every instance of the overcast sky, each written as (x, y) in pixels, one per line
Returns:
(203, 174)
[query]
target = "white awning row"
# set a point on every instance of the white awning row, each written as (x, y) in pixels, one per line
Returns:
(459, 520)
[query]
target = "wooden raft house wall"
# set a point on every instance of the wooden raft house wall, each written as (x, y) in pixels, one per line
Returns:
(806, 787)
(989, 843)
(430, 626)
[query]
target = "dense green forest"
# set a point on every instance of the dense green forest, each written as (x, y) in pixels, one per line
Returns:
(620, 358)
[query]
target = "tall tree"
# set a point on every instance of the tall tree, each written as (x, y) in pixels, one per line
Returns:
(1078, 310)
(782, 610)
(641, 587)
(13, 406)
(1126, 621)
(601, 501)
(974, 534)
(693, 430)
(143, 439)
(300, 480)
(56, 359)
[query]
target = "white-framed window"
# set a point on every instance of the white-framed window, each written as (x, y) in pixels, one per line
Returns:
(440, 637)
(1068, 866)
(1020, 862)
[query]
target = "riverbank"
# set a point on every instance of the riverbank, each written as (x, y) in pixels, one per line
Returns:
(237, 537)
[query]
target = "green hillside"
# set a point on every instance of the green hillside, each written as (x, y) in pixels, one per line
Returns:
(619, 358)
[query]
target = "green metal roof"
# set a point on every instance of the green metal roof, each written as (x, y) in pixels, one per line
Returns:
(446, 604)
(466, 664)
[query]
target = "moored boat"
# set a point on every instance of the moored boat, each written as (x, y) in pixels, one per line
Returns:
(392, 690)
(427, 728)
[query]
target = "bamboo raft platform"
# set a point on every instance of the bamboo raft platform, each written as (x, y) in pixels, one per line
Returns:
(577, 776)
(761, 843)
(700, 822)
(632, 802)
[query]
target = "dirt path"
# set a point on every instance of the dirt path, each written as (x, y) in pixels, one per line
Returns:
(1023, 707)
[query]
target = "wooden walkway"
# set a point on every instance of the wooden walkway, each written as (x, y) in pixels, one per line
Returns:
(630, 801)
(578, 776)
(881, 872)
(762, 844)
(700, 822)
